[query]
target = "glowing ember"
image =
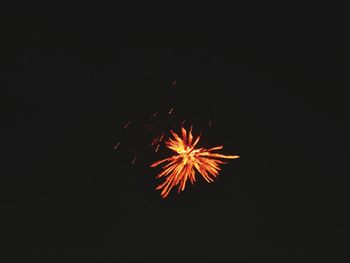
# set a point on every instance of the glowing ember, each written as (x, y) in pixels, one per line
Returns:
(182, 166)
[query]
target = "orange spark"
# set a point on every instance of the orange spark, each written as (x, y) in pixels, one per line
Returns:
(161, 137)
(182, 166)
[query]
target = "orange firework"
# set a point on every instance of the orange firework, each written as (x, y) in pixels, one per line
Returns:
(182, 166)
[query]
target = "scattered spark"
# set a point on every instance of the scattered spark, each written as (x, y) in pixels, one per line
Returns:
(116, 146)
(154, 115)
(187, 160)
(127, 124)
(171, 110)
(157, 148)
(154, 141)
(133, 160)
(161, 137)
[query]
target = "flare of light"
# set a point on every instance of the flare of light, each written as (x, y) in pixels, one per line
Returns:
(183, 165)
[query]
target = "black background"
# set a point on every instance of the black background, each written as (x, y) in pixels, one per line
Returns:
(66, 193)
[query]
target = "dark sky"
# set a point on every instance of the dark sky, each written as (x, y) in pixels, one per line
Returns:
(66, 193)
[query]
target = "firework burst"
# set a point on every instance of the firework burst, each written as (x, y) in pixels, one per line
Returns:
(188, 159)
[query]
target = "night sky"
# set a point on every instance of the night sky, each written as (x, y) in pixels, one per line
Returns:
(66, 193)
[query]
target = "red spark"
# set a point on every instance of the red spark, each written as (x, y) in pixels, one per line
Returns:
(155, 140)
(127, 124)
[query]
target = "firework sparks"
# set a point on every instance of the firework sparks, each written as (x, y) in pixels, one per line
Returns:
(116, 146)
(127, 124)
(161, 137)
(156, 150)
(155, 114)
(134, 160)
(187, 160)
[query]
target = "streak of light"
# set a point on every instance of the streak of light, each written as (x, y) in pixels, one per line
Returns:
(157, 148)
(127, 124)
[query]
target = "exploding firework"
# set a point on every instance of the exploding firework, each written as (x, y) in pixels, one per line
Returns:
(143, 135)
(187, 160)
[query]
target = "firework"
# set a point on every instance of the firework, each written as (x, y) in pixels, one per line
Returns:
(183, 165)
(143, 132)
(141, 136)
